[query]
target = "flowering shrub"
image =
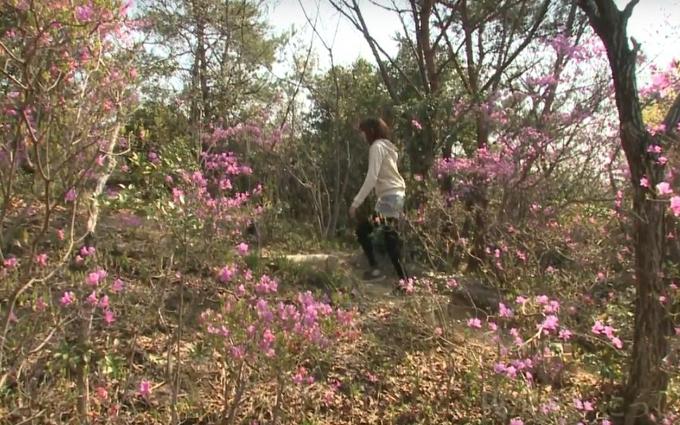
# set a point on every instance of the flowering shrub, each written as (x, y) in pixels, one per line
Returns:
(257, 332)
(68, 79)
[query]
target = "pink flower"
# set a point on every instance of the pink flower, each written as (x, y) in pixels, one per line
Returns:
(664, 188)
(407, 285)
(542, 299)
(675, 205)
(242, 248)
(41, 260)
(92, 298)
(416, 124)
(515, 334)
(474, 323)
(10, 262)
(109, 317)
(225, 184)
(302, 377)
(598, 328)
(153, 157)
(452, 283)
(616, 342)
(84, 13)
(549, 407)
(96, 277)
(104, 302)
(101, 393)
(551, 323)
(86, 251)
(565, 334)
(516, 421)
(552, 307)
(144, 388)
(503, 311)
(644, 182)
(585, 406)
(60, 234)
(438, 331)
(227, 273)
(118, 286)
(499, 368)
(40, 305)
(70, 195)
(237, 352)
(67, 299)
(177, 196)
(521, 300)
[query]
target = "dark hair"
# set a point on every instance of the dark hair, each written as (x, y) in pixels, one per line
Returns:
(374, 129)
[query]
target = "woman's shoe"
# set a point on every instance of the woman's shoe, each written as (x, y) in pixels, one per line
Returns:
(373, 275)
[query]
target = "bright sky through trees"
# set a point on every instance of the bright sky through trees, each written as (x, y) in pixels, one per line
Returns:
(654, 24)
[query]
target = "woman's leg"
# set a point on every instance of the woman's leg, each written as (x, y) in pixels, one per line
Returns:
(364, 230)
(393, 246)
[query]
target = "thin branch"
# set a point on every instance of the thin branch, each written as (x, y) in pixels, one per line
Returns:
(529, 38)
(628, 10)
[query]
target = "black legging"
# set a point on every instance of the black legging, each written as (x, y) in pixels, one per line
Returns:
(392, 242)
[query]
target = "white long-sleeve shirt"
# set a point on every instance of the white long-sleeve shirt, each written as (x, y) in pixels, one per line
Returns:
(383, 174)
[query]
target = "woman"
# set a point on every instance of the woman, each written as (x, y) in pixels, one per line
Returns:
(383, 176)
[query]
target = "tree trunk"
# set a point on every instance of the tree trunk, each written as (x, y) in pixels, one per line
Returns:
(647, 381)
(644, 394)
(199, 78)
(93, 207)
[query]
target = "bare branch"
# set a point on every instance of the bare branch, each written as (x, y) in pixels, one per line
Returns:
(308, 56)
(528, 39)
(628, 10)
(360, 24)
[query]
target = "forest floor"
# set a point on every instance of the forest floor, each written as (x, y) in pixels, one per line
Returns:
(413, 360)
(396, 371)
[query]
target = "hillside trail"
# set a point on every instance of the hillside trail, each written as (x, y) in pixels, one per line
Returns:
(379, 299)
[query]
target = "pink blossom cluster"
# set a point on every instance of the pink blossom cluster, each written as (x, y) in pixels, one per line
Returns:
(484, 163)
(663, 81)
(98, 294)
(609, 332)
(226, 163)
(212, 194)
(566, 46)
(255, 322)
(256, 131)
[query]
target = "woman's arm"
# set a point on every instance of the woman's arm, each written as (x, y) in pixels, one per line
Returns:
(376, 154)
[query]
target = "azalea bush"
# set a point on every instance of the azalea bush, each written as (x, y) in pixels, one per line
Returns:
(552, 196)
(67, 82)
(260, 336)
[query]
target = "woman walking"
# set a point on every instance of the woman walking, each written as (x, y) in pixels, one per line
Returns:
(383, 177)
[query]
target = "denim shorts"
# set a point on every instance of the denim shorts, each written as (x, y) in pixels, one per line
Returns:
(390, 206)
